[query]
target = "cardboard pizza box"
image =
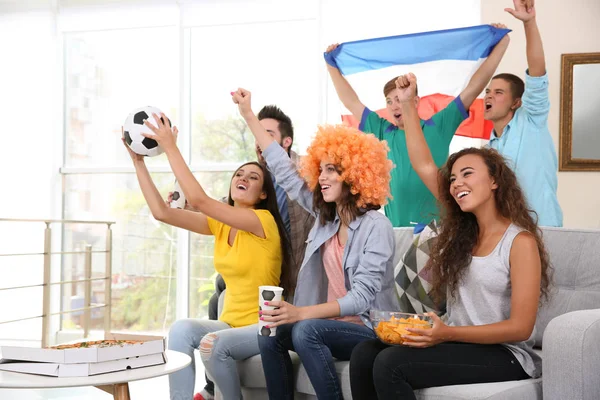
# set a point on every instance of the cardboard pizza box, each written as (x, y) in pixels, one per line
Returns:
(82, 369)
(86, 353)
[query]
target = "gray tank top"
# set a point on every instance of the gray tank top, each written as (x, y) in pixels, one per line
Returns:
(483, 297)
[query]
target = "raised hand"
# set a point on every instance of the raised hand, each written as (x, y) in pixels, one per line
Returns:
(506, 38)
(524, 10)
(170, 199)
(163, 133)
(499, 26)
(243, 98)
(407, 87)
(134, 156)
(331, 47)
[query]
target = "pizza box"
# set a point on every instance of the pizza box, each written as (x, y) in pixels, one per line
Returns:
(83, 369)
(86, 353)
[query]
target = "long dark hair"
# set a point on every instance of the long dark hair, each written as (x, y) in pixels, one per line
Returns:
(288, 273)
(459, 231)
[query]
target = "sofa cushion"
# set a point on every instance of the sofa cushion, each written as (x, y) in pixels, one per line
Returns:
(252, 377)
(527, 389)
(251, 371)
(303, 384)
(575, 258)
(413, 283)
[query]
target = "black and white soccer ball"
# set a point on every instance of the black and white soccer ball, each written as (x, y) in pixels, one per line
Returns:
(134, 127)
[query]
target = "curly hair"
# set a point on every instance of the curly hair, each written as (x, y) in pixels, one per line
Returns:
(452, 253)
(361, 160)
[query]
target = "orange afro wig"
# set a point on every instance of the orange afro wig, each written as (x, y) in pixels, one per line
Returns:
(361, 157)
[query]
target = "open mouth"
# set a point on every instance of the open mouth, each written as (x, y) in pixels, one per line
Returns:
(397, 116)
(325, 187)
(242, 187)
(462, 194)
(488, 106)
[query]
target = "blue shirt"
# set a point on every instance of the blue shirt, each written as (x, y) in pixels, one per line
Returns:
(282, 205)
(527, 145)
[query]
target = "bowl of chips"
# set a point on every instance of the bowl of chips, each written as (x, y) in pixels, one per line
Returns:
(390, 326)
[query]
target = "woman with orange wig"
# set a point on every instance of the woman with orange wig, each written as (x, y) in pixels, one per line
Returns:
(347, 268)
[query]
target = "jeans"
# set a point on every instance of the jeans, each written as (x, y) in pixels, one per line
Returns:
(393, 372)
(316, 341)
(220, 346)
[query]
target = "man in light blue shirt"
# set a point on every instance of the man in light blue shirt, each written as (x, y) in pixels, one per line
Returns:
(519, 112)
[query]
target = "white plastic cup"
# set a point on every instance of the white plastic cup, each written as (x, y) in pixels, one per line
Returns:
(178, 200)
(267, 293)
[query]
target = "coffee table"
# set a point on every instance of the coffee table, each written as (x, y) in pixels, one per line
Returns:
(115, 383)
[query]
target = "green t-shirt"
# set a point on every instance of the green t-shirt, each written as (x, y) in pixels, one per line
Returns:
(412, 202)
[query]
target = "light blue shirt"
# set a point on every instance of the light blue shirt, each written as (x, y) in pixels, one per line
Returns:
(527, 145)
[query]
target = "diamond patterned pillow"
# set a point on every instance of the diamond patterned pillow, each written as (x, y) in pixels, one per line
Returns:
(413, 282)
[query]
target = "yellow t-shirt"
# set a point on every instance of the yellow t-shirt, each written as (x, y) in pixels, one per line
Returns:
(251, 262)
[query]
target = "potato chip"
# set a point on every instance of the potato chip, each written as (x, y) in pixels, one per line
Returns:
(391, 331)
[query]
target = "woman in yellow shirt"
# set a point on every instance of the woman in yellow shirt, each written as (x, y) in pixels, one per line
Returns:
(251, 249)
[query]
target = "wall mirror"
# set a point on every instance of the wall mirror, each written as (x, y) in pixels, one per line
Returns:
(579, 143)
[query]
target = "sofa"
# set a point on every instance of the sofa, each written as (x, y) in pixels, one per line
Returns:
(567, 333)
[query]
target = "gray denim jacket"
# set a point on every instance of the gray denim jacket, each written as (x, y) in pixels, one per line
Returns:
(368, 254)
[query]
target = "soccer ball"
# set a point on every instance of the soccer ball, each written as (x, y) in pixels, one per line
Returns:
(134, 127)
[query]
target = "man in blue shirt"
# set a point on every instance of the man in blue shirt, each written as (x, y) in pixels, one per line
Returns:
(519, 112)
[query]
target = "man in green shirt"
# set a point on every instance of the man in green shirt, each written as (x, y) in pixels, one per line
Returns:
(412, 202)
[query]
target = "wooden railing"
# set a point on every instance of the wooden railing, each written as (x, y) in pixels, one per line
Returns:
(88, 306)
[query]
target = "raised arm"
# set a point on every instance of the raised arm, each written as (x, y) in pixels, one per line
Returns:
(192, 221)
(486, 70)
(525, 11)
(237, 217)
(418, 150)
(278, 162)
(243, 98)
(346, 94)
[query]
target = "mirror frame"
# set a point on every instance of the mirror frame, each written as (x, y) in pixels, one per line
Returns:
(565, 150)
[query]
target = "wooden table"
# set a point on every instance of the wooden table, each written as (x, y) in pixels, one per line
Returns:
(115, 383)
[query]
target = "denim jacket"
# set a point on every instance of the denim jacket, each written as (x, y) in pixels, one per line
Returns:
(368, 254)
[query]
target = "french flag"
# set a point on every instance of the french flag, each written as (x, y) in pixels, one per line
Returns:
(443, 62)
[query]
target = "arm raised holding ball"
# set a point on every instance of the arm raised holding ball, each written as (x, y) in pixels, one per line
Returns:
(242, 218)
(192, 221)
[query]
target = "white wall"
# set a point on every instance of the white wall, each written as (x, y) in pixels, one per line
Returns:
(566, 27)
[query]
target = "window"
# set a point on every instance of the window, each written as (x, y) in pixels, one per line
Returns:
(256, 57)
(107, 75)
(144, 258)
(184, 58)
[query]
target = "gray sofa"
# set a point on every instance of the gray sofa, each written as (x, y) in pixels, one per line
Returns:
(568, 326)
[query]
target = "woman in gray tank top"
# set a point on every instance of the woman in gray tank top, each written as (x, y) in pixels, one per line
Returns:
(490, 261)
